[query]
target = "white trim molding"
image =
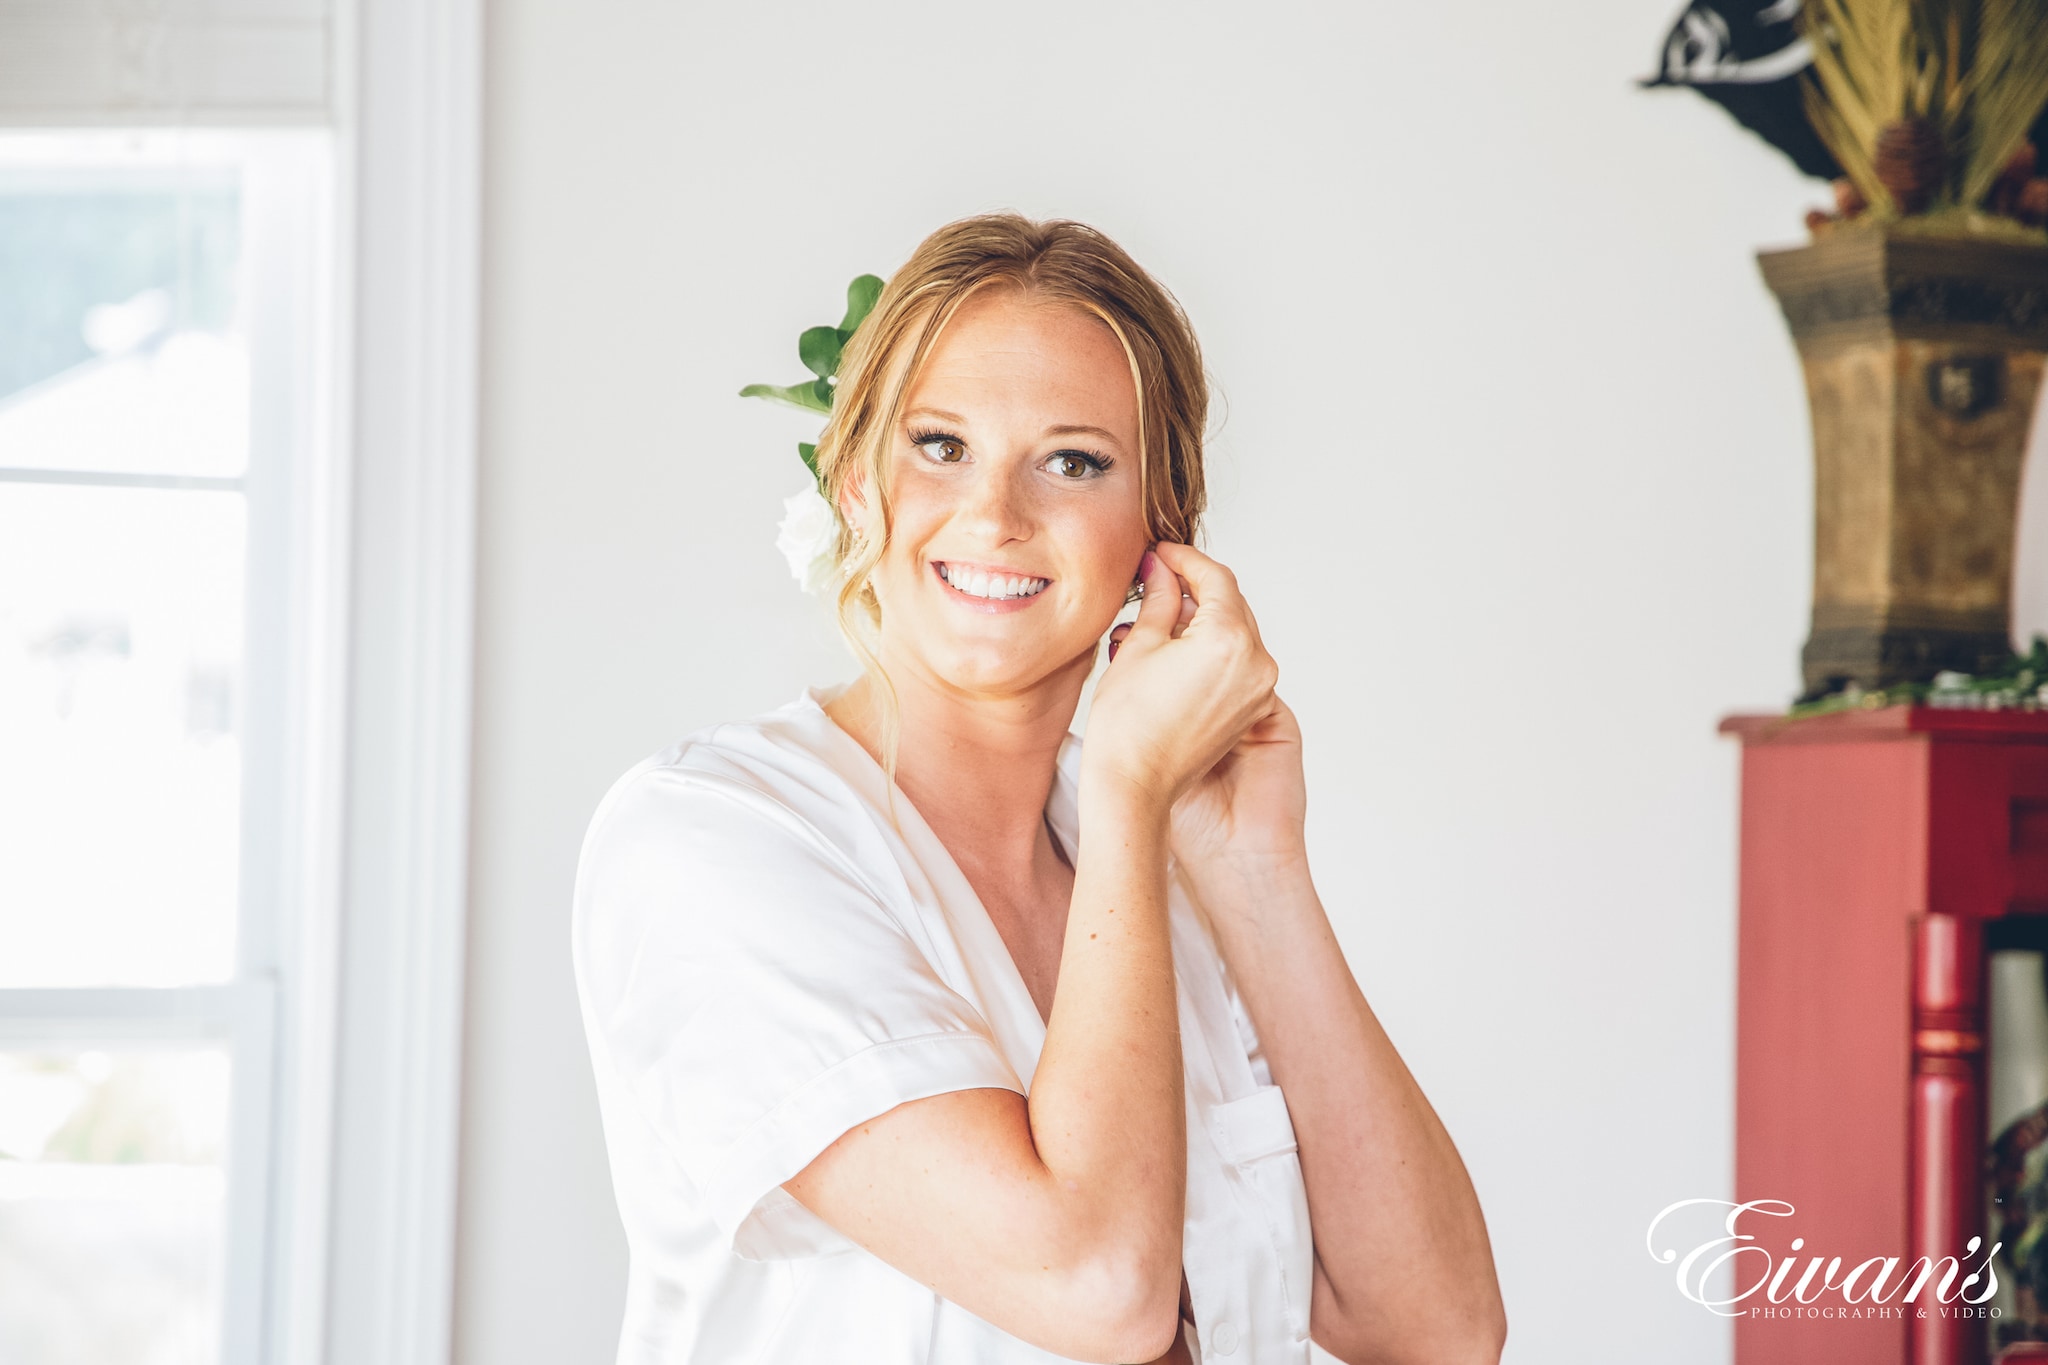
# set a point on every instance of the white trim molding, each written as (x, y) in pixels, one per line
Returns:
(409, 103)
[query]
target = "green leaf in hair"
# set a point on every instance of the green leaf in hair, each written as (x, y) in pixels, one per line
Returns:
(805, 396)
(818, 348)
(860, 301)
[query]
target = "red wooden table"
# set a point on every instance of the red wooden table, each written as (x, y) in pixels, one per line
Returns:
(1874, 847)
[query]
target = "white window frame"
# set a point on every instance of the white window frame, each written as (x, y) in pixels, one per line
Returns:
(287, 792)
(346, 1027)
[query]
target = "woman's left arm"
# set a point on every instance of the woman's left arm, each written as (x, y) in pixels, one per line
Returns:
(1403, 1270)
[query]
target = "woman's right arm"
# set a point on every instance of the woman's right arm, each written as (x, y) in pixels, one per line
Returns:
(1058, 1217)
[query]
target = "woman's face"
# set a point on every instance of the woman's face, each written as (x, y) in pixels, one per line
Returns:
(1017, 519)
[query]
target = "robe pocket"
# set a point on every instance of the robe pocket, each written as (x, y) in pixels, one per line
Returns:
(1256, 1137)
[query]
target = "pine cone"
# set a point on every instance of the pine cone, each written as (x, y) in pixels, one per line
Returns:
(2012, 181)
(2031, 207)
(1911, 161)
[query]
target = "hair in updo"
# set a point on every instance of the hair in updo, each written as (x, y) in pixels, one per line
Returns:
(1057, 259)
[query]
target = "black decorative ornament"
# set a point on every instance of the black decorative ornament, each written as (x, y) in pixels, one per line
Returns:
(1747, 56)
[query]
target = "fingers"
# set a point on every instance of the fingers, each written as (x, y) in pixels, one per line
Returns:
(1212, 587)
(1182, 584)
(1157, 613)
(1207, 580)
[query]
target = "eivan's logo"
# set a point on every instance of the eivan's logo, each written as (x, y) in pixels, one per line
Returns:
(1867, 1290)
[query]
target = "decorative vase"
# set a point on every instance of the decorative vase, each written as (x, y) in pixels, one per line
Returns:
(1923, 356)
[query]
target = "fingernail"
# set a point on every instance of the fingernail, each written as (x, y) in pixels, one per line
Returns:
(1145, 564)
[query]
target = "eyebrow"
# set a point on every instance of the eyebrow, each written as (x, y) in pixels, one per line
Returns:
(1063, 429)
(1083, 431)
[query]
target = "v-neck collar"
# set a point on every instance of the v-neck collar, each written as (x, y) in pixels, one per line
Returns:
(1020, 1029)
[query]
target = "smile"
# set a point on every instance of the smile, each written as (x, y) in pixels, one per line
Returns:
(992, 585)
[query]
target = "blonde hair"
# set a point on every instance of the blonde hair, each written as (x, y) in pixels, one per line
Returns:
(1058, 260)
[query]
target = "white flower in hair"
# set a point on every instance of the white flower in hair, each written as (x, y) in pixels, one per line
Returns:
(807, 536)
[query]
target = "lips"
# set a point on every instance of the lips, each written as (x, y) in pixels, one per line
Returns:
(990, 583)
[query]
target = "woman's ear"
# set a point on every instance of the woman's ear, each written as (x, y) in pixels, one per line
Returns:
(852, 516)
(853, 506)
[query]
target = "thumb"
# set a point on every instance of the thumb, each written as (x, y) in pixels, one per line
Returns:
(1161, 607)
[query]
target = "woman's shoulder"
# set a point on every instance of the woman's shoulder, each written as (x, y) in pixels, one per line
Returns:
(753, 800)
(772, 761)
(739, 842)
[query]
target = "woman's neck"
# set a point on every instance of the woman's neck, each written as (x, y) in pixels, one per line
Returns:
(977, 768)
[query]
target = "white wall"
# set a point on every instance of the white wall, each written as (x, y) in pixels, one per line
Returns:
(1514, 472)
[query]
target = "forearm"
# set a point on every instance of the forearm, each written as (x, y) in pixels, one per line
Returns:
(1057, 1216)
(1106, 1102)
(1394, 1214)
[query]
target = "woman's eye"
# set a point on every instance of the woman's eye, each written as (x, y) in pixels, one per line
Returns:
(1071, 465)
(942, 449)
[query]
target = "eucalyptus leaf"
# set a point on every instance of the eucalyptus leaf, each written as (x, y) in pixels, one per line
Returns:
(860, 301)
(808, 453)
(819, 349)
(805, 396)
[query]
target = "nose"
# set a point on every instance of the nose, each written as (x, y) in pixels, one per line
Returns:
(996, 506)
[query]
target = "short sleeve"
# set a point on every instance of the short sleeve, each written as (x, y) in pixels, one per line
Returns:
(752, 991)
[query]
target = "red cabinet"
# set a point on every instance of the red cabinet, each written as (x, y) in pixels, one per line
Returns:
(1874, 847)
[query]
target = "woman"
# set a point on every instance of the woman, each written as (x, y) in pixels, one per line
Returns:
(924, 1032)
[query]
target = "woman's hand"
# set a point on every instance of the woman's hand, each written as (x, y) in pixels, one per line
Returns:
(1250, 807)
(1249, 803)
(1190, 678)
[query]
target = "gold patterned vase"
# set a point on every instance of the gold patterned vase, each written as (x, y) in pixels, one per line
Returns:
(1923, 357)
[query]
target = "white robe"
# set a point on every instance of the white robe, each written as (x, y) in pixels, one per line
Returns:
(763, 963)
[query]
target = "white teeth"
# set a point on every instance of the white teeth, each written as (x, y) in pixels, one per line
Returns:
(996, 587)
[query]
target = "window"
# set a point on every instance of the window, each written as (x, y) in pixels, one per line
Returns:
(166, 811)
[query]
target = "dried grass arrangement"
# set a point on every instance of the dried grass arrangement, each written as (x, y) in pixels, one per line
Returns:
(1926, 104)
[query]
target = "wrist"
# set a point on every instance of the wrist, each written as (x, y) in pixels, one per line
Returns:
(1257, 877)
(1109, 796)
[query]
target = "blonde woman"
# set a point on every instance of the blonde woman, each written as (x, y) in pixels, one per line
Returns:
(925, 1032)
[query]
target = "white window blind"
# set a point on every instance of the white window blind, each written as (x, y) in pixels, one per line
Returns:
(127, 62)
